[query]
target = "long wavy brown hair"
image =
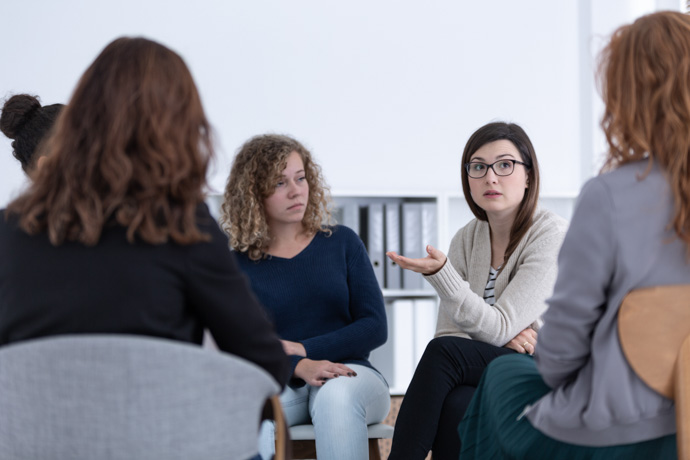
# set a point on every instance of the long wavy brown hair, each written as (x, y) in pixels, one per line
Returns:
(512, 132)
(644, 78)
(132, 146)
(257, 168)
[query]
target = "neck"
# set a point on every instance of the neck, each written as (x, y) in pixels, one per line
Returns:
(285, 233)
(500, 226)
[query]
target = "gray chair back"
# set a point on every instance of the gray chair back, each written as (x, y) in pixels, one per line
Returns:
(128, 397)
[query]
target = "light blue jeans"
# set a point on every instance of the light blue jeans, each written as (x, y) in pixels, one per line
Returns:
(340, 411)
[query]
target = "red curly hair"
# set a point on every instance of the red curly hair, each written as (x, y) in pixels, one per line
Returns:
(644, 76)
(132, 146)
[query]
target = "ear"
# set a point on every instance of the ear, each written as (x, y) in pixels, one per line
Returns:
(39, 161)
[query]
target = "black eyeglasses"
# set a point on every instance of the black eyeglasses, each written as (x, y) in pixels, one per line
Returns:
(477, 170)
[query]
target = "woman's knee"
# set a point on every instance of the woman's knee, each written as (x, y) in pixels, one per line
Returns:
(348, 394)
(439, 348)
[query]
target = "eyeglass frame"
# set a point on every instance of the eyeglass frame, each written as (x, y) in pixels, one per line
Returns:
(467, 167)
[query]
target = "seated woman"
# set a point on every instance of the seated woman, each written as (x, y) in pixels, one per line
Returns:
(24, 120)
(113, 235)
(319, 288)
(492, 293)
(631, 229)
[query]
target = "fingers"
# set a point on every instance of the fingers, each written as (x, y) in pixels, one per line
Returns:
(435, 253)
(404, 262)
(530, 334)
(529, 348)
(427, 265)
(514, 346)
(317, 373)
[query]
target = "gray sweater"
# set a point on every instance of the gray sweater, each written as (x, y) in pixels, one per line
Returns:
(617, 241)
(521, 289)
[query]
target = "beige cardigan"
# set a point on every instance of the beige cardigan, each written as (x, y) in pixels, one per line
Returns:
(521, 289)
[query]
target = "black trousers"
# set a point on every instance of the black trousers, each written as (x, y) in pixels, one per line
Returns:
(438, 396)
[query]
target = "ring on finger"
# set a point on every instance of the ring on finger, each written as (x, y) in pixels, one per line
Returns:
(524, 345)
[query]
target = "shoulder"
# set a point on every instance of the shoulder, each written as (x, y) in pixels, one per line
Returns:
(341, 234)
(547, 223)
(546, 234)
(639, 182)
(9, 222)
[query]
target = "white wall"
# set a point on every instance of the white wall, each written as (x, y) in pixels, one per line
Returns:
(385, 93)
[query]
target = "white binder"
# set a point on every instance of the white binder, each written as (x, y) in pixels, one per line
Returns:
(412, 245)
(349, 216)
(429, 233)
(393, 272)
(403, 344)
(425, 316)
(372, 224)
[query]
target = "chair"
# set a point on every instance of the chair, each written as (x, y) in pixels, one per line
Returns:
(303, 445)
(128, 397)
(654, 331)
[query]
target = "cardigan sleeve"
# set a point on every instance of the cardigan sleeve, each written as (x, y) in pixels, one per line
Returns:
(520, 303)
(368, 329)
(219, 292)
(585, 269)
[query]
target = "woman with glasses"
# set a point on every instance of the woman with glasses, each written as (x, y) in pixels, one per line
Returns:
(492, 293)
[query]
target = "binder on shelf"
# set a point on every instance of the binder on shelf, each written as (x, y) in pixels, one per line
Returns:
(429, 222)
(403, 358)
(425, 316)
(348, 215)
(393, 273)
(371, 221)
(412, 245)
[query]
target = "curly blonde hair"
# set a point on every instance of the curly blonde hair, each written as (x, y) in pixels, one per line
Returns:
(257, 168)
(644, 76)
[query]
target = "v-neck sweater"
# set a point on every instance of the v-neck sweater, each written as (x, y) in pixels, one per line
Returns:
(326, 297)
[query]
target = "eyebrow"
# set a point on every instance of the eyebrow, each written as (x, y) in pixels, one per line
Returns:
(301, 171)
(498, 157)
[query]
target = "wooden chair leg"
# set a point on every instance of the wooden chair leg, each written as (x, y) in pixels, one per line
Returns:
(682, 401)
(374, 452)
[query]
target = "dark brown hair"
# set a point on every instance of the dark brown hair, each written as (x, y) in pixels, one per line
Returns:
(256, 170)
(132, 145)
(516, 135)
(644, 78)
(24, 120)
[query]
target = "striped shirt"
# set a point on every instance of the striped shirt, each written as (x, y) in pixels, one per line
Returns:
(489, 289)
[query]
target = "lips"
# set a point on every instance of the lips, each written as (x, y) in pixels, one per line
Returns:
(492, 193)
(295, 206)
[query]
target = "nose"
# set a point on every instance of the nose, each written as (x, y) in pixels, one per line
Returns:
(491, 175)
(293, 188)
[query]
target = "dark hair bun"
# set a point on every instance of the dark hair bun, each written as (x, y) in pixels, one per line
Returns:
(16, 112)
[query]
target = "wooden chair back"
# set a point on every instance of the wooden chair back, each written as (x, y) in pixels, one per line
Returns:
(654, 332)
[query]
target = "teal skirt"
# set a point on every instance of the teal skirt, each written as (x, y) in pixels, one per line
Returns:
(490, 429)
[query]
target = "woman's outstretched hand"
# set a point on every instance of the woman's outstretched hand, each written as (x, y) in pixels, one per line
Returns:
(524, 342)
(317, 373)
(426, 266)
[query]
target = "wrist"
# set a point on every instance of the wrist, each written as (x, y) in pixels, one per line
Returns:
(438, 269)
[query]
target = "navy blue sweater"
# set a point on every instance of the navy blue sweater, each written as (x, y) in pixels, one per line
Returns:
(326, 298)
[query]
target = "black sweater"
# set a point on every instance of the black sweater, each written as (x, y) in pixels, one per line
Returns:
(168, 290)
